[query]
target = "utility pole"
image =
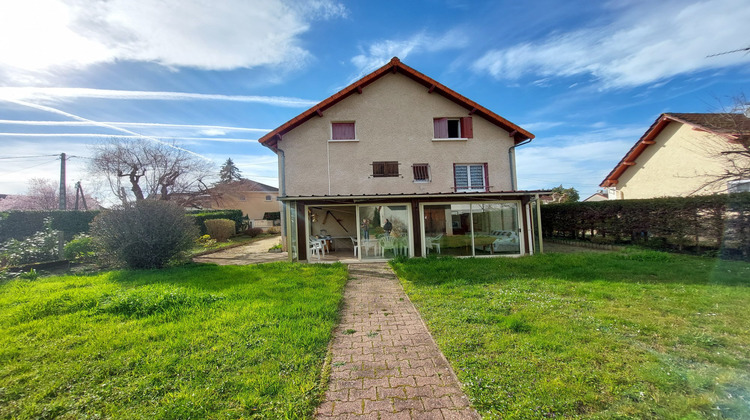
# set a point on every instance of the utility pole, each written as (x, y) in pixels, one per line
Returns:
(63, 203)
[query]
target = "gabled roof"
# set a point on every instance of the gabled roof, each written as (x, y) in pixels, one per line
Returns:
(732, 126)
(248, 185)
(395, 66)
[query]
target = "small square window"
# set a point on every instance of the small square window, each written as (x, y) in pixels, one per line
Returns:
(343, 131)
(268, 198)
(421, 172)
(384, 169)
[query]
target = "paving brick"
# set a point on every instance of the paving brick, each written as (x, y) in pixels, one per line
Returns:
(400, 381)
(390, 367)
(418, 391)
(407, 404)
(388, 392)
(360, 394)
(344, 407)
(378, 405)
(427, 415)
(437, 402)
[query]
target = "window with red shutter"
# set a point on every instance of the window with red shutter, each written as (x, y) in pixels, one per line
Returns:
(453, 128)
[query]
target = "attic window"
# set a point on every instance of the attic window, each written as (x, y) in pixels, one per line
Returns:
(343, 131)
(384, 169)
(453, 128)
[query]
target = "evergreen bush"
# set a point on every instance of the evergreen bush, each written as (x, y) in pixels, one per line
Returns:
(146, 234)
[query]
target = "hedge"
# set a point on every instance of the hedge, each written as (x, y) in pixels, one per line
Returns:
(200, 216)
(674, 223)
(22, 224)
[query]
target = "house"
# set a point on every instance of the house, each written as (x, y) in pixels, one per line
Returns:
(253, 198)
(597, 196)
(399, 164)
(682, 155)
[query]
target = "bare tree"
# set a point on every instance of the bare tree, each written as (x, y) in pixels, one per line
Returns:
(150, 169)
(41, 194)
(730, 145)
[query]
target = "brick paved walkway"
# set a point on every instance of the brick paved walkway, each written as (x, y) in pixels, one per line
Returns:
(385, 364)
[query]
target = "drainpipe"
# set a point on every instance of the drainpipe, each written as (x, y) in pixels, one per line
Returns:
(512, 161)
(282, 188)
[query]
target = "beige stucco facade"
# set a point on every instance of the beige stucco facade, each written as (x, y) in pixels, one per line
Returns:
(394, 122)
(682, 160)
(254, 204)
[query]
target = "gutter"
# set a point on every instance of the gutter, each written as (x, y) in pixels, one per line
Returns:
(512, 162)
(282, 186)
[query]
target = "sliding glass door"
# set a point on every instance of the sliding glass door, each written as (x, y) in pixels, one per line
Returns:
(384, 231)
(471, 229)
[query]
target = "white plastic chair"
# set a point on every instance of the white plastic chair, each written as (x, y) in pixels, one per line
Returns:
(355, 245)
(316, 248)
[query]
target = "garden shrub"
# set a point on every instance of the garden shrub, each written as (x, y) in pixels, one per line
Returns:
(253, 232)
(20, 224)
(145, 234)
(682, 223)
(275, 230)
(200, 217)
(220, 229)
(41, 246)
(80, 249)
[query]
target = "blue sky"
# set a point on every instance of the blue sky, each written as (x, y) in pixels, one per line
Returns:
(586, 77)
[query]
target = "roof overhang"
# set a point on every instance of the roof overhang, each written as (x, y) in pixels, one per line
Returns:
(656, 128)
(518, 134)
(452, 196)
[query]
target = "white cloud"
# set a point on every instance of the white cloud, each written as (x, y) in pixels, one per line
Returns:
(646, 43)
(203, 129)
(578, 159)
(379, 53)
(216, 35)
(53, 93)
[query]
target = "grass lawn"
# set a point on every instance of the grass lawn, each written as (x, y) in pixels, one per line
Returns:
(634, 334)
(198, 341)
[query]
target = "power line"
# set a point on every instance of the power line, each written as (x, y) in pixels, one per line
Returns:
(30, 167)
(24, 157)
(729, 52)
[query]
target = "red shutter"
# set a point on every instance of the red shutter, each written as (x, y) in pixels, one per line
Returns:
(467, 130)
(455, 183)
(486, 177)
(441, 128)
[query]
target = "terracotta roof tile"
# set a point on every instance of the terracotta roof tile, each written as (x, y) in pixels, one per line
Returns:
(396, 66)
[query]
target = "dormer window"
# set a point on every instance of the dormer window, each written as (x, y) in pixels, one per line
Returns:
(453, 128)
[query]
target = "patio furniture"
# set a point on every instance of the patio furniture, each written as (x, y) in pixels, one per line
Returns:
(316, 248)
(388, 242)
(433, 242)
(355, 245)
(368, 245)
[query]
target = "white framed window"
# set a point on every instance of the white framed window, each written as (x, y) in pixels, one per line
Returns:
(470, 177)
(739, 186)
(453, 128)
(343, 131)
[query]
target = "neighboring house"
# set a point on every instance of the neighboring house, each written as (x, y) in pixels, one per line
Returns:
(253, 198)
(598, 196)
(682, 155)
(401, 165)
